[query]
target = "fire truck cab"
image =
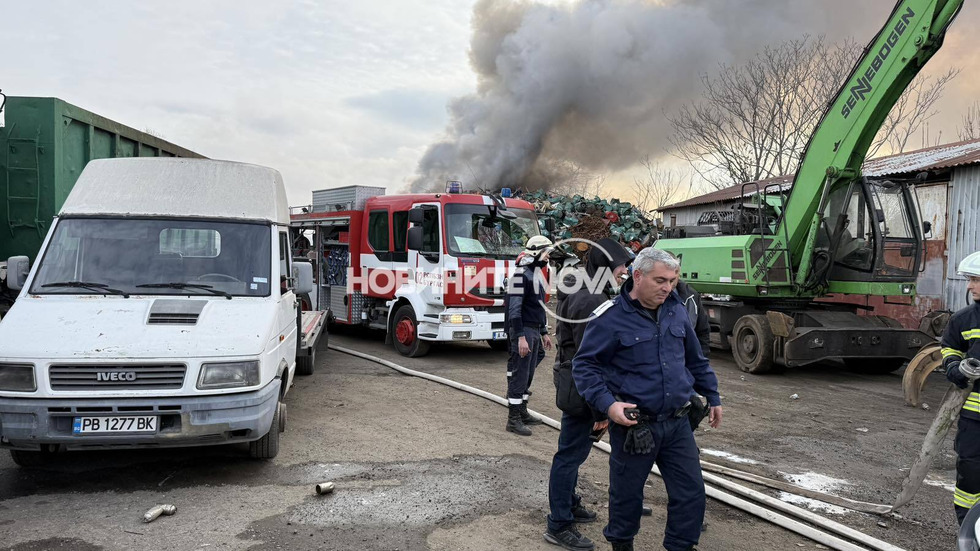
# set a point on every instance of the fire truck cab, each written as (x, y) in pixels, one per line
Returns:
(423, 267)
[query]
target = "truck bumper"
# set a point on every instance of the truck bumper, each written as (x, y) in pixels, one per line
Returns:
(484, 326)
(27, 424)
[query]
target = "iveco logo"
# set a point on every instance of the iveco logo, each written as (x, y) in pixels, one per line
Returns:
(115, 376)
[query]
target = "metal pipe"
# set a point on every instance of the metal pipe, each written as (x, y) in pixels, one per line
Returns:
(862, 506)
(780, 520)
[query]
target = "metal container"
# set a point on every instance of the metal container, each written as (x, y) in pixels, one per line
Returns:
(344, 198)
(44, 145)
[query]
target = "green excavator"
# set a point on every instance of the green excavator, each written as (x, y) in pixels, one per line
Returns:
(835, 231)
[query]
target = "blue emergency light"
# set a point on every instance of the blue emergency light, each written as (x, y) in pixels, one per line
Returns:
(454, 186)
(505, 192)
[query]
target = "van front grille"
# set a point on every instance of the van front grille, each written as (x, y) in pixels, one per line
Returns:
(106, 377)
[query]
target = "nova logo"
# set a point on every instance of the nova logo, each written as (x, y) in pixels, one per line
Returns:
(115, 376)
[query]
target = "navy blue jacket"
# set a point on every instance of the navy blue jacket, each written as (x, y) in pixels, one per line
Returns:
(962, 340)
(656, 364)
(525, 300)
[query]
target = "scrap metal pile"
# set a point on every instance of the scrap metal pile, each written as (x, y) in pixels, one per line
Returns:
(594, 219)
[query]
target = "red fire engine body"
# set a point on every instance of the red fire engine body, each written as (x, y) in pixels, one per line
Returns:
(423, 267)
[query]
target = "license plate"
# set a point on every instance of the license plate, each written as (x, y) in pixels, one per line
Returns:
(498, 335)
(130, 423)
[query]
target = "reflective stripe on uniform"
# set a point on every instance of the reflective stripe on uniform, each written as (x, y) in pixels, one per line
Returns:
(947, 352)
(973, 402)
(971, 334)
(964, 499)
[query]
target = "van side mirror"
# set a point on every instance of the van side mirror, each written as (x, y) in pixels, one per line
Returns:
(17, 269)
(415, 215)
(549, 224)
(303, 277)
(926, 229)
(414, 236)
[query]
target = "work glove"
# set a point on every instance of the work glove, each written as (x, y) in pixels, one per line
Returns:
(639, 439)
(955, 376)
(964, 373)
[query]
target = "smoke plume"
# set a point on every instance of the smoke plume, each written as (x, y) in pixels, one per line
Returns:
(587, 83)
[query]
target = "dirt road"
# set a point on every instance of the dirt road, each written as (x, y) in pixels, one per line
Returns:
(422, 466)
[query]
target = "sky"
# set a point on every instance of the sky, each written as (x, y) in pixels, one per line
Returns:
(335, 93)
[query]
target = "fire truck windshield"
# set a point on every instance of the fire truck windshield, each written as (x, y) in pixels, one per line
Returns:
(475, 230)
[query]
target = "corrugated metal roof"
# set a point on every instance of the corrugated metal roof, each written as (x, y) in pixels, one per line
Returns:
(931, 158)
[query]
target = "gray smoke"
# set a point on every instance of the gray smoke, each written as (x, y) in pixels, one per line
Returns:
(587, 83)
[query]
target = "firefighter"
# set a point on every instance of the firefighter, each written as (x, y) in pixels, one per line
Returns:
(527, 330)
(960, 342)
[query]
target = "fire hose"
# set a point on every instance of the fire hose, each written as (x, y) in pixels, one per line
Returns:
(819, 536)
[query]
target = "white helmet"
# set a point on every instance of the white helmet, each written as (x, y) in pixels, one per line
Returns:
(536, 245)
(970, 266)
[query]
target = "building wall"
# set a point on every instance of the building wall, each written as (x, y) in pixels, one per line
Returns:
(964, 230)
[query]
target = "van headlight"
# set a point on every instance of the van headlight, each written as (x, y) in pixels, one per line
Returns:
(228, 375)
(17, 377)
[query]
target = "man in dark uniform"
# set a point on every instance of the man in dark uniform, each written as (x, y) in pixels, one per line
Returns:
(605, 269)
(527, 329)
(640, 363)
(691, 299)
(961, 342)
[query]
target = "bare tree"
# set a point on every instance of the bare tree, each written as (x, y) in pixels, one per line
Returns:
(911, 112)
(656, 189)
(753, 121)
(970, 129)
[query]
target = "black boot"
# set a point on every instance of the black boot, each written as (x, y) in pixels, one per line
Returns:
(623, 546)
(526, 417)
(514, 422)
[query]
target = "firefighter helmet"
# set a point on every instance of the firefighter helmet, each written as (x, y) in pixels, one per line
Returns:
(970, 266)
(536, 245)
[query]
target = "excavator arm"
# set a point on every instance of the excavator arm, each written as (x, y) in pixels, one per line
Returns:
(830, 206)
(912, 35)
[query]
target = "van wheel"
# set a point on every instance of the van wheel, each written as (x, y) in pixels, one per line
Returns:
(28, 459)
(267, 447)
(406, 336)
(304, 362)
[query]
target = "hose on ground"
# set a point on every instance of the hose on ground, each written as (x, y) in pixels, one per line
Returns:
(783, 521)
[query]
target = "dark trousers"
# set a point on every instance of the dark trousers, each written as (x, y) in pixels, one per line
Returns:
(574, 446)
(677, 456)
(967, 447)
(520, 371)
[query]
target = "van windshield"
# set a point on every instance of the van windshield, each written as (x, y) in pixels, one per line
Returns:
(155, 257)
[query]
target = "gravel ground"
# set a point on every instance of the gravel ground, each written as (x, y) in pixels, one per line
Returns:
(422, 466)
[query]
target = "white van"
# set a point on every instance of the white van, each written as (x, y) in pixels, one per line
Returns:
(162, 312)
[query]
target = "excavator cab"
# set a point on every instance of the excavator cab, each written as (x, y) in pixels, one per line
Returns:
(871, 232)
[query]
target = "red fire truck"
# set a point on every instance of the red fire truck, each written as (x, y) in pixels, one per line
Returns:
(423, 267)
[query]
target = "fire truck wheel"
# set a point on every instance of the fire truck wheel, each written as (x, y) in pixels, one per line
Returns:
(406, 337)
(498, 345)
